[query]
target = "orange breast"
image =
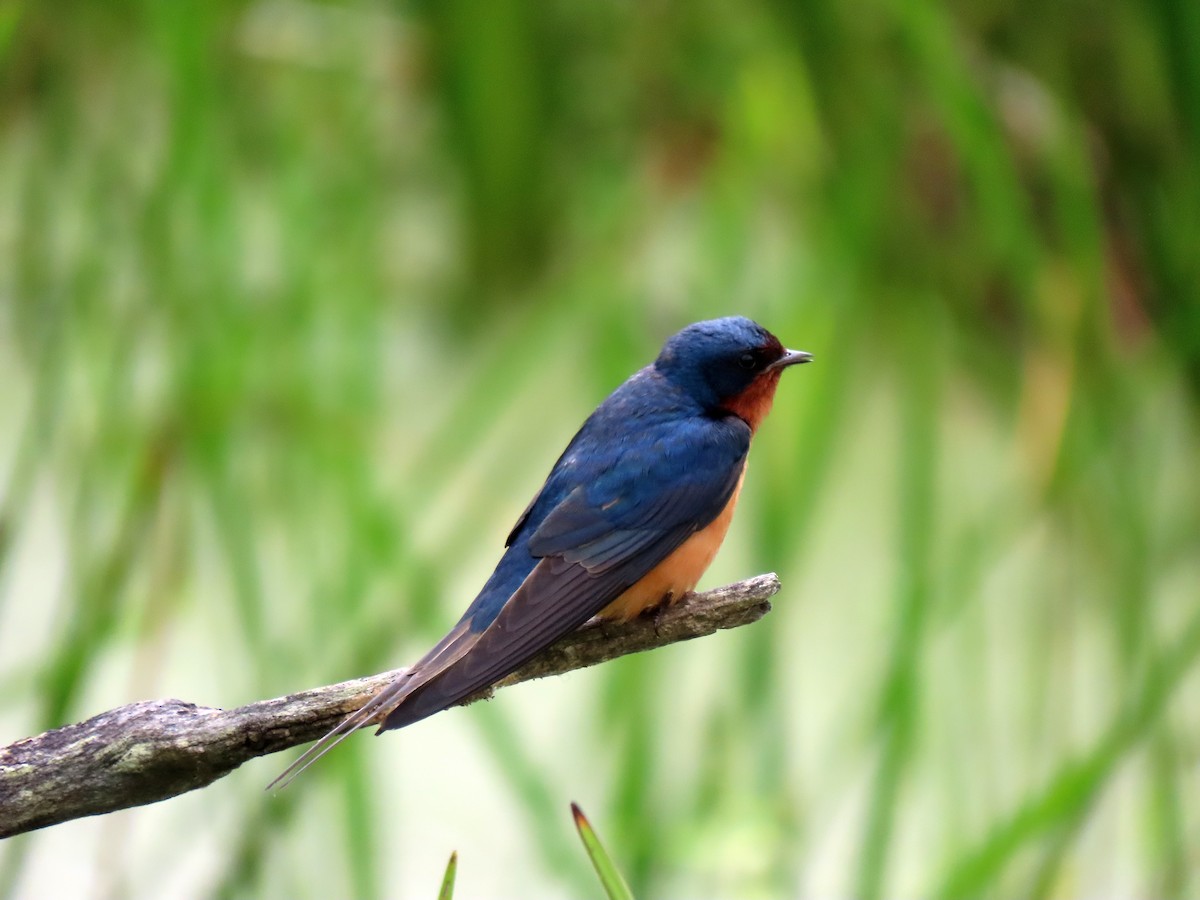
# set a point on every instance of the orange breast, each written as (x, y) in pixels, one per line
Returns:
(679, 572)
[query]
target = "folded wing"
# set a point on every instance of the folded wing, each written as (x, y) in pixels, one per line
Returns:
(598, 541)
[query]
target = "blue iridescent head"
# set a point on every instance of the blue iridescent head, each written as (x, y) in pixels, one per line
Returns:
(726, 364)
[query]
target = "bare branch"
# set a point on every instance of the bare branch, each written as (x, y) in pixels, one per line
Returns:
(149, 751)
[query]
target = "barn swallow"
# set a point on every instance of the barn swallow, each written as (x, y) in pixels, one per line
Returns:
(628, 520)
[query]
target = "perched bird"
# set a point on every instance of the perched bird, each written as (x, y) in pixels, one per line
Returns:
(629, 518)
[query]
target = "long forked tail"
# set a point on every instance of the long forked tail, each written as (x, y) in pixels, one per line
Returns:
(377, 705)
(449, 650)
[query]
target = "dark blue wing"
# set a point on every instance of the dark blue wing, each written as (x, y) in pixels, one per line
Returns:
(614, 513)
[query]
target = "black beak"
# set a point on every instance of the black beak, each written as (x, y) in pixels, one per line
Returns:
(790, 358)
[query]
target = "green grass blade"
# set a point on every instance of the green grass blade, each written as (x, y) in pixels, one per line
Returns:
(614, 884)
(447, 891)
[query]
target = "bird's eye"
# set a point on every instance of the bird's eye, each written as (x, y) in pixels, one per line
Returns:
(748, 361)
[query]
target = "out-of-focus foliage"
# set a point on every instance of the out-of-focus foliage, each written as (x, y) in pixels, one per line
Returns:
(299, 302)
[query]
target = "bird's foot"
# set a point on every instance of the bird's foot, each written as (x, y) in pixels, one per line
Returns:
(656, 612)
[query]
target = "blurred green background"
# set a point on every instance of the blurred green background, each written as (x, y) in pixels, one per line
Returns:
(300, 301)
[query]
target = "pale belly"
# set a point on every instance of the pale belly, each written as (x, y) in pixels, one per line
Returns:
(678, 573)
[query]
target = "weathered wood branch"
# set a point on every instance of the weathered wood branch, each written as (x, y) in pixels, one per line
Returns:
(149, 751)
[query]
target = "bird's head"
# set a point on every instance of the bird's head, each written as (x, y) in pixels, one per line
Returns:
(729, 365)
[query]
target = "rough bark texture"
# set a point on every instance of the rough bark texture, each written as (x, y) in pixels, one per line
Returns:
(149, 751)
